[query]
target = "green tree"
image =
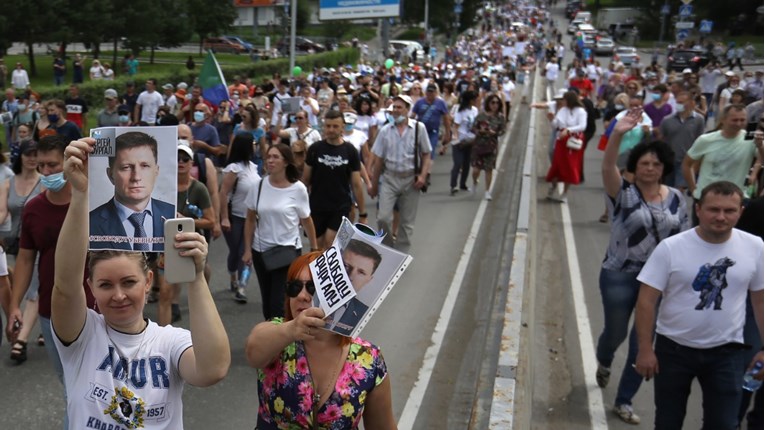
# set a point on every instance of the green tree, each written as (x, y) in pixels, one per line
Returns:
(31, 31)
(210, 18)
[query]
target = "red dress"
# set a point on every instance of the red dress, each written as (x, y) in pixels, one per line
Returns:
(566, 163)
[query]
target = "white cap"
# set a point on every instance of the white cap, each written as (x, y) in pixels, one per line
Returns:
(184, 146)
(167, 86)
(182, 85)
(687, 70)
(407, 86)
(110, 94)
(730, 73)
(349, 118)
(404, 98)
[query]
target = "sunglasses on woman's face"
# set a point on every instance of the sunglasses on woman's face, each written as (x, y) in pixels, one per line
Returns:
(295, 287)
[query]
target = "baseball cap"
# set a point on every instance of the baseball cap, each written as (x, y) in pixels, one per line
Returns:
(687, 70)
(27, 146)
(167, 86)
(110, 94)
(183, 146)
(183, 85)
(123, 108)
(730, 73)
(431, 87)
(349, 118)
(404, 98)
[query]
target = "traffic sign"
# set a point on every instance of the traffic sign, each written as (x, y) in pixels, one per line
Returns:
(705, 26)
(682, 34)
(686, 1)
(686, 10)
(684, 25)
(665, 10)
(458, 8)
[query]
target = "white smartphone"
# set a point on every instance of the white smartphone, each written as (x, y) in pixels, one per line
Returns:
(178, 269)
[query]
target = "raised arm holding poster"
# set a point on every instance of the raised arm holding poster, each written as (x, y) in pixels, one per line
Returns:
(132, 188)
(371, 268)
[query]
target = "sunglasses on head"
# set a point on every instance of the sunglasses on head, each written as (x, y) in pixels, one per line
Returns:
(295, 287)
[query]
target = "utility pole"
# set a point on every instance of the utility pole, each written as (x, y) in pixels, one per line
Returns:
(293, 26)
(427, 7)
(385, 36)
(664, 13)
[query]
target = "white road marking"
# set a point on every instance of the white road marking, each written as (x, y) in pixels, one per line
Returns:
(417, 394)
(586, 341)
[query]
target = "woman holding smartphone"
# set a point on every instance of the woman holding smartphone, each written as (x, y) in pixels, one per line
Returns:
(276, 207)
(120, 351)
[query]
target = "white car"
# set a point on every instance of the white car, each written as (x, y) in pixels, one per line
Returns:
(408, 48)
(573, 27)
(627, 55)
(604, 46)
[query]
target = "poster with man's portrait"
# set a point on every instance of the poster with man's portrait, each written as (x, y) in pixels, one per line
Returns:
(132, 187)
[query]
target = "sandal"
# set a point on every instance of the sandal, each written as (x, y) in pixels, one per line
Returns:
(19, 351)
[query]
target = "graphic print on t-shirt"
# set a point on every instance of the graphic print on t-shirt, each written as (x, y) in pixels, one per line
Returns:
(710, 281)
(332, 161)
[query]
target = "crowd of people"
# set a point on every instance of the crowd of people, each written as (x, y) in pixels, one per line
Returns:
(276, 165)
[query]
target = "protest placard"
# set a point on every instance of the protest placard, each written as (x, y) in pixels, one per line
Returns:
(132, 187)
(372, 270)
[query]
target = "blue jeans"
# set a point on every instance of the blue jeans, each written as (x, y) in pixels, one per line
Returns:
(461, 164)
(58, 80)
(235, 241)
(433, 136)
(720, 374)
(54, 358)
(619, 293)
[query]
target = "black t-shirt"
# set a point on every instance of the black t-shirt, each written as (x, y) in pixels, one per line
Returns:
(130, 100)
(331, 168)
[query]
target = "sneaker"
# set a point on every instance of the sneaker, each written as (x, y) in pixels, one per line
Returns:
(176, 312)
(454, 191)
(562, 198)
(487, 196)
(626, 413)
(240, 296)
(602, 375)
(551, 193)
(233, 286)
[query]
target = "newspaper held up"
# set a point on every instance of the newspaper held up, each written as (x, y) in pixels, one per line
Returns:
(372, 269)
(333, 287)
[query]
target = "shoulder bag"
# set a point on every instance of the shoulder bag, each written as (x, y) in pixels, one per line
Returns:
(417, 167)
(279, 256)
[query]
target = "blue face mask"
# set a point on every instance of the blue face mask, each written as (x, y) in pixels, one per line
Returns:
(348, 127)
(655, 96)
(399, 119)
(124, 118)
(54, 182)
(53, 118)
(619, 107)
(199, 116)
(388, 117)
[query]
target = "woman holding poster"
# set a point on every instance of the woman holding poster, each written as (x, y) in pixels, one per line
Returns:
(271, 229)
(122, 370)
(313, 378)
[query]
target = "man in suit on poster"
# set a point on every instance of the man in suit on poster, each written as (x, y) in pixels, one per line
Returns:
(132, 213)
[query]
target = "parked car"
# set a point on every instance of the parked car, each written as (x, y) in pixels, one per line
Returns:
(572, 7)
(687, 58)
(627, 55)
(604, 45)
(573, 27)
(408, 49)
(220, 44)
(301, 44)
(589, 41)
(248, 47)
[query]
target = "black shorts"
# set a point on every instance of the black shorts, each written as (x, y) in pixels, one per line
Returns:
(329, 220)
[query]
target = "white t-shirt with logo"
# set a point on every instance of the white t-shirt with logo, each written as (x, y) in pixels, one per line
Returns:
(109, 386)
(464, 120)
(704, 286)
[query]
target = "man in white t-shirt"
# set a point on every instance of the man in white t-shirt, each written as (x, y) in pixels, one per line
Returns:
(148, 103)
(703, 277)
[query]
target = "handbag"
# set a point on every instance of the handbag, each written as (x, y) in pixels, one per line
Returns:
(574, 143)
(279, 256)
(417, 167)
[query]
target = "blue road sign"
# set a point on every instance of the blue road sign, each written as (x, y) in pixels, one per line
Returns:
(682, 34)
(706, 26)
(457, 8)
(665, 9)
(686, 10)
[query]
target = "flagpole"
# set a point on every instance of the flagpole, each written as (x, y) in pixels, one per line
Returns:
(293, 24)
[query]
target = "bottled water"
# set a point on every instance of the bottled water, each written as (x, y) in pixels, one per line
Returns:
(751, 384)
(245, 277)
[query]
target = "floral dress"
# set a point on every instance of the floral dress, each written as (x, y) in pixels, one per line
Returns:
(285, 389)
(484, 155)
